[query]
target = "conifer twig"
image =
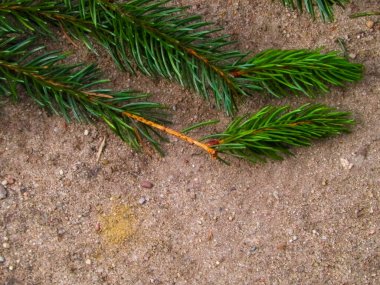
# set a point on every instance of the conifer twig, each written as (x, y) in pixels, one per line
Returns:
(68, 90)
(325, 7)
(73, 90)
(306, 72)
(273, 130)
(165, 41)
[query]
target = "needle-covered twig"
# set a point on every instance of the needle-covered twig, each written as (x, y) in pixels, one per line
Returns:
(273, 130)
(72, 90)
(325, 7)
(163, 40)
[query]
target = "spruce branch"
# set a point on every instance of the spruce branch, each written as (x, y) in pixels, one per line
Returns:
(71, 90)
(39, 16)
(165, 41)
(306, 72)
(273, 130)
(65, 90)
(162, 41)
(147, 27)
(325, 7)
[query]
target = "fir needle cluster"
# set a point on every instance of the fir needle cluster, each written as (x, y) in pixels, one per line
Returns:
(270, 132)
(164, 41)
(325, 7)
(72, 90)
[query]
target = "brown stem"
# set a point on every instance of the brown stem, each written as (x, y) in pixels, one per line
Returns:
(66, 35)
(237, 73)
(172, 132)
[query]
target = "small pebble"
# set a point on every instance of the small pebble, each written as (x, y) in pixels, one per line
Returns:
(352, 55)
(6, 245)
(2, 259)
(252, 250)
(3, 192)
(86, 132)
(346, 164)
(61, 172)
(370, 24)
(142, 200)
(88, 261)
(147, 184)
(4, 182)
(60, 232)
(11, 268)
(282, 246)
(293, 239)
(10, 180)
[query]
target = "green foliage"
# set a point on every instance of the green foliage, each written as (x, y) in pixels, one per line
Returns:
(71, 90)
(270, 132)
(165, 41)
(161, 40)
(307, 72)
(325, 7)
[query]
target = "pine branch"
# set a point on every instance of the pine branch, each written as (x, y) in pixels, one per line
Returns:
(325, 7)
(70, 90)
(273, 130)
(165, 41)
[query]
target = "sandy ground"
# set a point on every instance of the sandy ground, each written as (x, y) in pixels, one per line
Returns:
(310, 219)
